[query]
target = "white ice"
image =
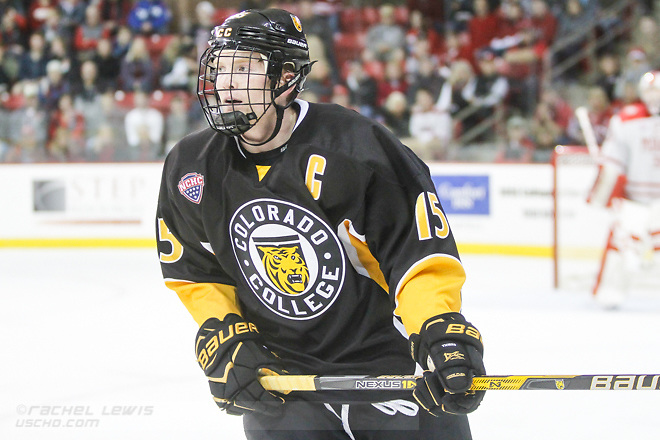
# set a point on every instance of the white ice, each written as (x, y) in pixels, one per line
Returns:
(89, 335)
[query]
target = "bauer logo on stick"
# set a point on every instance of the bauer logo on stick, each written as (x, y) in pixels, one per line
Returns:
(191, 186)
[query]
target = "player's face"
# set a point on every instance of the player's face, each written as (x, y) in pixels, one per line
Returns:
(241, 82)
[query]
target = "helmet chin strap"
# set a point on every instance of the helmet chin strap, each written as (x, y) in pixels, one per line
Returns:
(279, 111)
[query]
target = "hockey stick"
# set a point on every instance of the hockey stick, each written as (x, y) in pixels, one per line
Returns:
(481, 383)
(582, 115)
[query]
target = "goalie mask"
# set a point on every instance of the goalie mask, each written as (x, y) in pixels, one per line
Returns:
(649, 91)
(241, 73)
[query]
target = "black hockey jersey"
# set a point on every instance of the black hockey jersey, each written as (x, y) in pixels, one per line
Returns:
(328, 244)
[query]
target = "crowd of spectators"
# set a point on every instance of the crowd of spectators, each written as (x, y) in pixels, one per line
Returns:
(115, 80)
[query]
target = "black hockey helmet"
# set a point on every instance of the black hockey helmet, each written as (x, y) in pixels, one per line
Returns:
(274, 37)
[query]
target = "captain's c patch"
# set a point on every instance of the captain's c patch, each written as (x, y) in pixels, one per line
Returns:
(191, 187)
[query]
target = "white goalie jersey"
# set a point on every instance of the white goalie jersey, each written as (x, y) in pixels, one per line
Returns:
(632, 149)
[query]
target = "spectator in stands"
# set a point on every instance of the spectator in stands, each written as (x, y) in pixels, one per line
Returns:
(144, 129)
(341, 96)
(420, 52)
(485, 92)
(574, 22)
(544, 21)
(609, 72)
(28, 128)
(72, 14)
(108, 140)
(419, 28)
(182, 74)
(523, 67)
(394, 81)
(137, 70)
(108, 65)
(87, 97)
(54, 28)
(53, 86)
(430, 128)
(122, 42)
(88, 34)
(150, 17)
(34, 60)
(636, 64)
(482, 27)
(395, 114)
(386, 39)
(317, 25)
(549, 124)
(66, 133)
(511, 19)
(319, 81)
(451, 95)
(517, 146)
(600, 112)
(202, 25)
(13, 29)
(427, 77)
(177, 123)
(59, 50)
(456, 47)
(646, 36)
(38, 13)
(15, 6)
(362, 87)
(432, 11)
(459, 15)
(114, 13)
(5, 75)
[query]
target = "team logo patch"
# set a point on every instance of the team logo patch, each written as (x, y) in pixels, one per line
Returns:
(296, 22)
(191, 187)
(290, 258)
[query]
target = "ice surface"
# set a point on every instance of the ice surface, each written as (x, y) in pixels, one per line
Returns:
(91, 335)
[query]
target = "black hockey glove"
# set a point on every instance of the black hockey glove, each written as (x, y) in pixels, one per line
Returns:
(231, 352)
(451, 351)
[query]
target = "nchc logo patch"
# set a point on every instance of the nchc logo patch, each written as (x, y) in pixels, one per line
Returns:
(191, 187)
(290, 258)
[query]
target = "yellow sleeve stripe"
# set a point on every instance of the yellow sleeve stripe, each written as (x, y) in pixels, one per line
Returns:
(431, 287)
(206, 300)
(359, 254)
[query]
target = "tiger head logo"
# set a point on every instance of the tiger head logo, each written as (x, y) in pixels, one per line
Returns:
(285, 264)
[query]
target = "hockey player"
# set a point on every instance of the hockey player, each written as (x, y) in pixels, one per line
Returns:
(306, 239)
(629, 182)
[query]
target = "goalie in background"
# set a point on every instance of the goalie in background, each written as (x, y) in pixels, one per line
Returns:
(305, 238)
(628, 182)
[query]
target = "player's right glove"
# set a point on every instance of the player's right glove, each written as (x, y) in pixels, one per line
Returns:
(451, 351)
(231, 353)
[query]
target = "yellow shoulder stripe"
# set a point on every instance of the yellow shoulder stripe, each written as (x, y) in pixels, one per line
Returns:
(429, 288)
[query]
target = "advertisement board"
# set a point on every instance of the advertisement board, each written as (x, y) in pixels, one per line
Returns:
(492, 208)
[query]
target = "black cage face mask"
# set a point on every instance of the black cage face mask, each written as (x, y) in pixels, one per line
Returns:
(236, 87)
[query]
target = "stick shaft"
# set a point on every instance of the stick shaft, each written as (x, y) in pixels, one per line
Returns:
(545, 382)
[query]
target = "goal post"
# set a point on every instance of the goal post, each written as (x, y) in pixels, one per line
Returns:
(580, 230)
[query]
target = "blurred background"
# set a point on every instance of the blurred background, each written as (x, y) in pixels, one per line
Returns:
(93, 94)
(466, 80)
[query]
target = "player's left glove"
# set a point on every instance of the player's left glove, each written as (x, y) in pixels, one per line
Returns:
(451, 351)
(231, 353)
